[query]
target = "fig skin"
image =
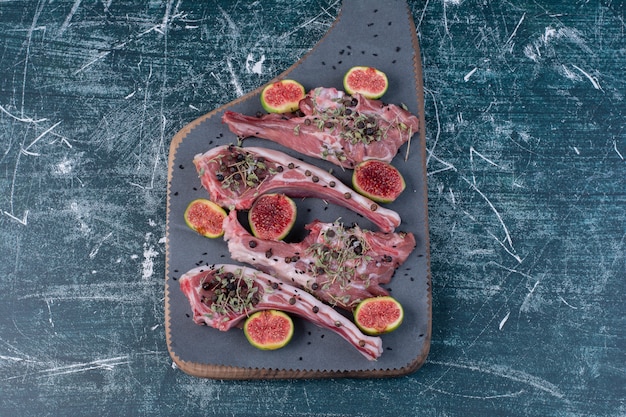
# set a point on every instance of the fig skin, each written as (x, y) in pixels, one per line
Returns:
(370, 82)
(211, 228)
(269, 317)
(278, 220)
(276, 90)
(378, 181)
(375, 329)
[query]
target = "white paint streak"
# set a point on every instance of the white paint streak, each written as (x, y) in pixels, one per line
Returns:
(309, 22)
(32, 28)
(483, 157)
(12, 358)
(68, 19)
(506, 373)
(100, 56)
(64, 167)
(515, 271)
(445, 18)
(432, 149)
(44, 133)
(48, 303)
(452, 198)
(569, 74)
(532, 53)
(23, 220)
(509, 251)
(493, 208)
(617, 151)
(476, 397)
(419, 23)
(567, 304)
(504, 320)
(593, 80)
(469, 74)
(525, 307)
(254, 67)
(515, 30)
(106, 364)
(21, 119)
(96, 248)
(233, 80)
(149, 253)
(447, 166)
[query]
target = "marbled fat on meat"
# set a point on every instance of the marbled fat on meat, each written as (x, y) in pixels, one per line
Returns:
(333, 126)
(339, 265)
(221, 296)
(236, 176)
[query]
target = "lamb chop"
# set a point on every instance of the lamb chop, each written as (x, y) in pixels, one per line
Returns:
(221, 296)
(235, 176)
(334, 126)
(341, 266)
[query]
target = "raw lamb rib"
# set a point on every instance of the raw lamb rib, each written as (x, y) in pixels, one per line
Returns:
(221, 296)
(338, 265)
(334, 126)
(235, 176)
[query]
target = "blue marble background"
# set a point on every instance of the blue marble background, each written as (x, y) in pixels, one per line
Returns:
(527, 204)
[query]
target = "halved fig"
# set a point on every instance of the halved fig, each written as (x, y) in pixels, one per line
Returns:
(378, 315)
(367, 81)
(282, 96)
(205, 217)
(272, 216)
(378, 180)
(268, 329)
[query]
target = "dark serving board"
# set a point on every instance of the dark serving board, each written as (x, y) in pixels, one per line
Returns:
(365, 33)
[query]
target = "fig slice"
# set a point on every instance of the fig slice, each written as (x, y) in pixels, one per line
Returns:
(272, 216)
(282, 96)
(367, 81)
(378, 180)
(378, 315)
(268, 329)
(205, 217)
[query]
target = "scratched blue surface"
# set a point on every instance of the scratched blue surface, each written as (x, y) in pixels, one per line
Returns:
(526, 142)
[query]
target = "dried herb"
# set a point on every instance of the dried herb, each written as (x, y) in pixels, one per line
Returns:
(240, 170)
(231, 292)
(337, 258)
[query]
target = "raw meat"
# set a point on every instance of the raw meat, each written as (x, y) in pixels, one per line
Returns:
(235, 176)
(221, 296)
(338, 265)
(334, 126)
